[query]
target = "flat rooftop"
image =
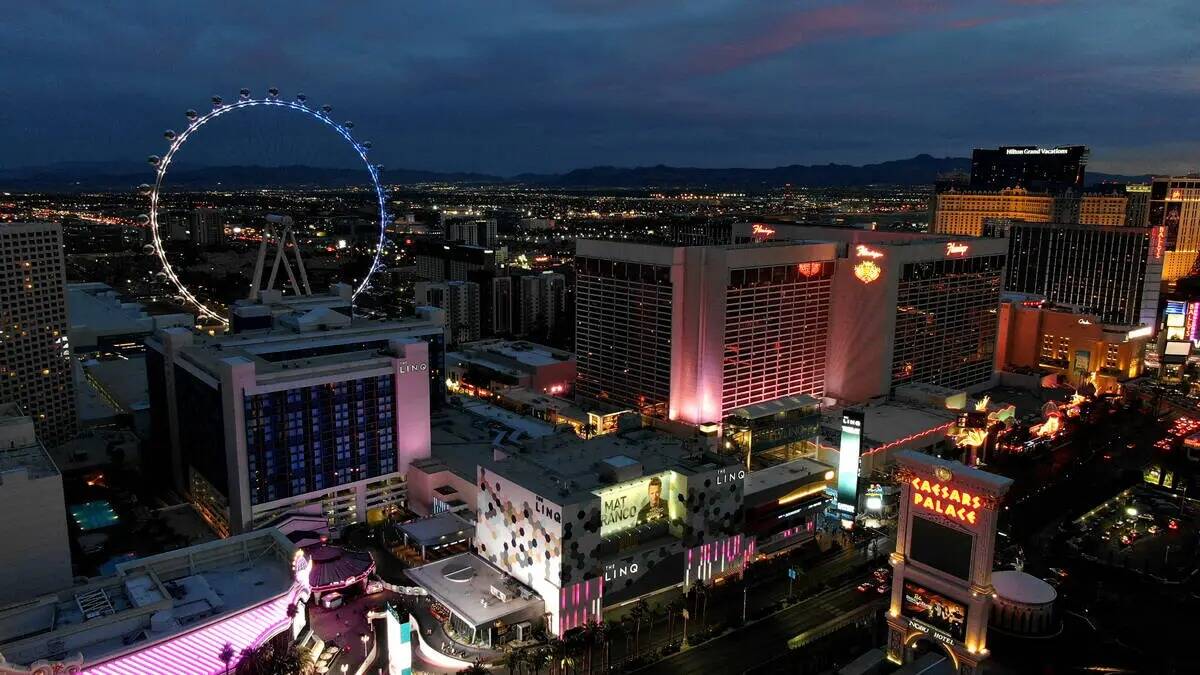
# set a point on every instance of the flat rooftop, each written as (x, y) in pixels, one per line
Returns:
(797, 470)
(463, 583)
(122, 381)
(527, 353)
(890, 422)
(564, 466)
(19, 447)
(150, 600)
(774, 407)
(437, 529)
(280, 349)
(563, 406)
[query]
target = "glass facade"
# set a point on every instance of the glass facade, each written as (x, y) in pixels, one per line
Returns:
(201, 429)
(623, 333)
(321, 436)
(946, 321)
(1102, 270)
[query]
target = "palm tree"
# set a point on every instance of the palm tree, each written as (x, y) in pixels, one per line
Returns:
(226, 656)
(637, 614)
(275, 658)
(602, 630)
(557, 651)
(674, 609)
(538, 656)
(612, 631)
(588, 633)
(474, 669)
(705, 591)
(575, 643)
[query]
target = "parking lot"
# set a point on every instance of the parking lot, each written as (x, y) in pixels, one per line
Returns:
(1141, 529)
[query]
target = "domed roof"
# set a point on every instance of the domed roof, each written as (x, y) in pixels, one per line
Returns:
(334, 566)
(1024, 588)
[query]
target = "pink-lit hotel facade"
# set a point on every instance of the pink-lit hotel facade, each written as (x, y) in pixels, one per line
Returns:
(694, 332)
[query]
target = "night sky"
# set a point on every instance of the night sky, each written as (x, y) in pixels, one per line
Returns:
(512, 86)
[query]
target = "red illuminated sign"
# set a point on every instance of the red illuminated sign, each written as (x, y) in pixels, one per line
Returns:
(956, 249)
(867, 271)
(863, 251)
(946, 500)
(1159, 241)
(761, 231)
(809, 270)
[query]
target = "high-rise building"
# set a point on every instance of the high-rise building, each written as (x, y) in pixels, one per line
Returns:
(542, 302)
(206, 227)
(319, 409)
(460, 302)
(1099, 270)
(1175, 208)
(35, 352)
(472, 232)
(693, 332)
(1137, 206)
(36, 555)
(501, 307)
(438, 260)
(962, 214)
(1029, 167)
(911, 309)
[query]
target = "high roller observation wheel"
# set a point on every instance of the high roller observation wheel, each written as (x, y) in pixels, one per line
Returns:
(244, 101)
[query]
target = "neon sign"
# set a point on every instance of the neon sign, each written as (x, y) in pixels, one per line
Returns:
(956, 249)
(809, 270)
(762, 231)
(946, 500)
(867, 271)
(863, 251)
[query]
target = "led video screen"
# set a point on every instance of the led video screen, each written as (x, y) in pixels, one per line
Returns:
(934, 610)
(649, 499)
(941, 547)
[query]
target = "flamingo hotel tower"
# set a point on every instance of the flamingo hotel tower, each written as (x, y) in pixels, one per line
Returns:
(693, 332)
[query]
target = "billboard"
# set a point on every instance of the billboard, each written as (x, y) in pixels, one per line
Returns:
(646, 500)
(935, 611)
(848, 453)
(941, 547)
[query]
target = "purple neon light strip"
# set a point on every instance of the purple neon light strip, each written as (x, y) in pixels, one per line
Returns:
(196, 652)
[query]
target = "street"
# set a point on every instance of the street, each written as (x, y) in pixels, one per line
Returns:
(761, 642)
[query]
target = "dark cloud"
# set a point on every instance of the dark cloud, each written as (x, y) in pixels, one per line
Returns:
(536, 85)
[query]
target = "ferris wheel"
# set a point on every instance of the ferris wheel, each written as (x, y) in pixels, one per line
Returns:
(244, 102)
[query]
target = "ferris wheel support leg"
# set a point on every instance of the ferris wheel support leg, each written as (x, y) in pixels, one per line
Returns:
(275, 264)
(256, 282)
(300, 266)
(287, 267)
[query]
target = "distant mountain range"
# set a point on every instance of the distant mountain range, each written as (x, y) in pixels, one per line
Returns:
(119, 176)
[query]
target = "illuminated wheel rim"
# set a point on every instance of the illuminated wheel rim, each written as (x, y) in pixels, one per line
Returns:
(219, 108)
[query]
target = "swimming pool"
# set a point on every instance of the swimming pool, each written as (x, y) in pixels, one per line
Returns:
(94, 515)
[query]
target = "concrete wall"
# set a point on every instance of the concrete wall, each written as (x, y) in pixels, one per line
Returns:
(35, 555)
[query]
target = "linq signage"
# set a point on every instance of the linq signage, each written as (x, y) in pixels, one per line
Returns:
(946, 500)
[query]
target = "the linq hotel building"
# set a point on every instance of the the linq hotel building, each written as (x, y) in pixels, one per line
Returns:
(590, 526)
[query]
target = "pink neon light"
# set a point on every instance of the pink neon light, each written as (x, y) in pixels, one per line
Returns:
(906, 439)
(196, 652)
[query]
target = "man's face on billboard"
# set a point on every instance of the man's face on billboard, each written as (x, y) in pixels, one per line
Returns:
(655, 492)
